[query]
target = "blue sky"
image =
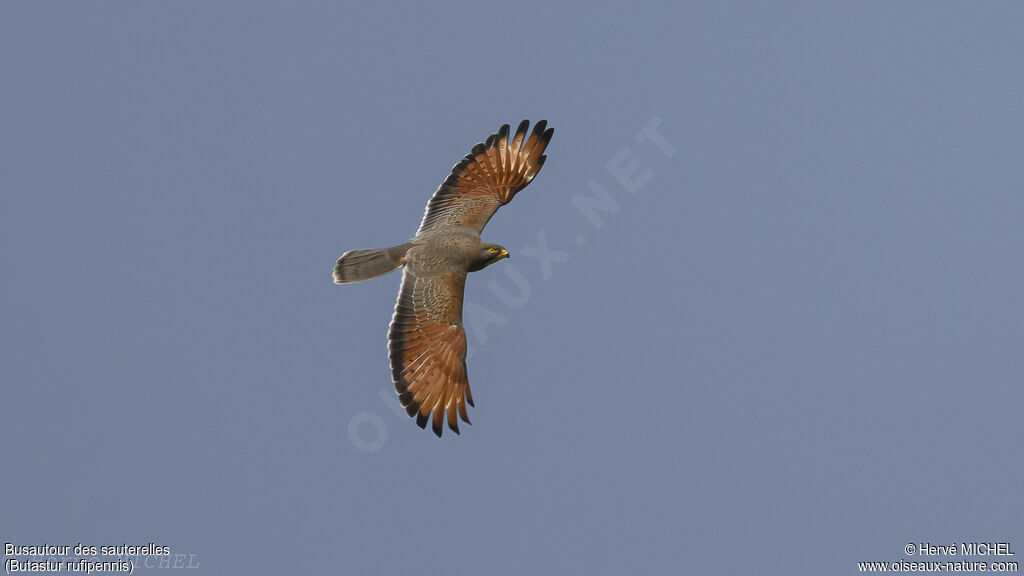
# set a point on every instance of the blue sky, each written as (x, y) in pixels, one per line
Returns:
(788, 340)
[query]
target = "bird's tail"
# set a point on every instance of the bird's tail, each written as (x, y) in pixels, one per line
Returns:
(359, 265)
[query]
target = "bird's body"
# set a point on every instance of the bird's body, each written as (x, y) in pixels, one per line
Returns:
(426, 340)
(443, 251)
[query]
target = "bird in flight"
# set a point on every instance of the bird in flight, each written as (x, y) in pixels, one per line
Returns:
(426, 340)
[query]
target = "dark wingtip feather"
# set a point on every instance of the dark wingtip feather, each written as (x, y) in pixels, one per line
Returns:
(438, 427)
(421, 420)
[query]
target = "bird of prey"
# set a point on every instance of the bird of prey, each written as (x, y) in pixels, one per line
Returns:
(426, 340)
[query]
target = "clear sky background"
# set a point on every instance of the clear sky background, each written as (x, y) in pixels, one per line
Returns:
(798, 344)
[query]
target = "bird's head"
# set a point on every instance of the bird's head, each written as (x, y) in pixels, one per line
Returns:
(487, 255)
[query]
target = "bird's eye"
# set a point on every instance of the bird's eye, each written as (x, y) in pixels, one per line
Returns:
(492, 250)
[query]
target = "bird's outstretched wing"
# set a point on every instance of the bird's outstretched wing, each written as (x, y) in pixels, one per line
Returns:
(427, 347)
(488, 177)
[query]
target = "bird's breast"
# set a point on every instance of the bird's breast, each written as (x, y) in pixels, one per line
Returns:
(443, 254)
